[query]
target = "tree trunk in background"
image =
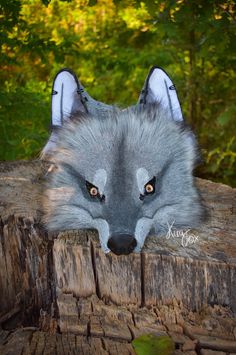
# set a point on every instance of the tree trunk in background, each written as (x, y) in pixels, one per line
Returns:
(186, 292)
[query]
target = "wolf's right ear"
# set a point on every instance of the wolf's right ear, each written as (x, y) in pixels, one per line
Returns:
(66, 97)
(70, 98)
(66, 101)
(158, 88)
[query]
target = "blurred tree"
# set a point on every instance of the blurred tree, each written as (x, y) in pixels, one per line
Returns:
(200, 39)
(111, 45)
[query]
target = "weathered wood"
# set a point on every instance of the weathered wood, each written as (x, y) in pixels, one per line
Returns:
(200, 274)
(27, 342)
(74, 266)
(197, 275)
(109, 327)
(151, 277)
(25, 267)
(25, 249)
(167, 289)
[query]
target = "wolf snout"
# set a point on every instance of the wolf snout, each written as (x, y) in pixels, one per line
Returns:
(122, 244)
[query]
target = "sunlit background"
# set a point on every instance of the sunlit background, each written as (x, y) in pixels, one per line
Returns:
(111, 45)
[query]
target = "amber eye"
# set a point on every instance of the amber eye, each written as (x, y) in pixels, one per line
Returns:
(149, 188)
(93, 191)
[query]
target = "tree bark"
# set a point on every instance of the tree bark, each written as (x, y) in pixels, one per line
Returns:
(67, 281)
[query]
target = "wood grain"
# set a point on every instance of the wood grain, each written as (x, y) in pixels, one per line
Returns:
(67, 281)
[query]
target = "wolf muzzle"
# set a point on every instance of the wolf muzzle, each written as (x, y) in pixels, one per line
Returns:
(122, 244)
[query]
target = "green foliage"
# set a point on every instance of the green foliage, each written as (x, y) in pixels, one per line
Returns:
(111, 45)
(153, 345)
(23, 131)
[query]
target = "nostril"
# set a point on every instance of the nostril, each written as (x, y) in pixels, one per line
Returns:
(111, 244)
(122, 244)
(132, 245)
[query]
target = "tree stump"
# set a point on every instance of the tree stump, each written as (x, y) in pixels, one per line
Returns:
(102, 301)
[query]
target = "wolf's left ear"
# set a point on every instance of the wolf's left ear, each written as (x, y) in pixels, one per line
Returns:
(158, 88)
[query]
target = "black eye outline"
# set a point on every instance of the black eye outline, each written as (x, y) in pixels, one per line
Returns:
(151, 182)
(90, 186)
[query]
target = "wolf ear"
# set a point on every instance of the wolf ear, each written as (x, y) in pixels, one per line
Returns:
(70, 98)
(66, 99)
(65, 102)
(158, 88)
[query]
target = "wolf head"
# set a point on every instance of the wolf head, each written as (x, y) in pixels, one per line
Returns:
(126, 174)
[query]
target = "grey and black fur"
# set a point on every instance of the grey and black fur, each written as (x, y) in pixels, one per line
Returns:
(120, 154)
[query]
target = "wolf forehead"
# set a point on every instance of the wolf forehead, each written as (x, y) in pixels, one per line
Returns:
(136, 141)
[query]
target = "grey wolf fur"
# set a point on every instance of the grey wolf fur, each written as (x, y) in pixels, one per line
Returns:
(120, 154)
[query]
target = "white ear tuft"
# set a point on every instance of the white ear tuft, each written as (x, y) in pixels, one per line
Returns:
(69, 98)
(158, 88)
(65, 97)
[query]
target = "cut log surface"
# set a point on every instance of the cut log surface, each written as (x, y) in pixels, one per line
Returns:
(184, 287)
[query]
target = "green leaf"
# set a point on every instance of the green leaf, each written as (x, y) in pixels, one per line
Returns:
(150, 344)
(46, 2)
(92, 2)
(224, 118)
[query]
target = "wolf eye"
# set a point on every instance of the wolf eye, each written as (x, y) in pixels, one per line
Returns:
(94, 192)
(149, 188)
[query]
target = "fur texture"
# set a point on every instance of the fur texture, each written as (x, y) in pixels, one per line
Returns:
(120, 154)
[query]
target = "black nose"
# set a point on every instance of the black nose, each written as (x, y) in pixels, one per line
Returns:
(122, 244)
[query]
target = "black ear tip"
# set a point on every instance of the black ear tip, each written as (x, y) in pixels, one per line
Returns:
(70, 71)
(155, 67)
